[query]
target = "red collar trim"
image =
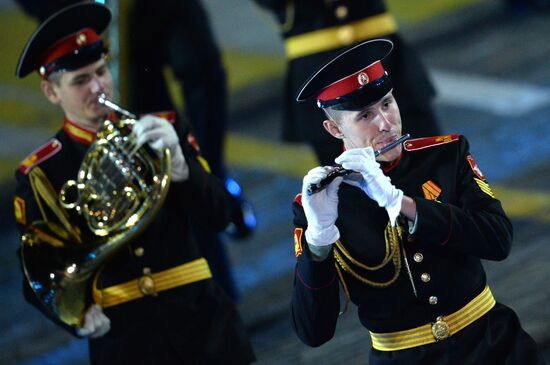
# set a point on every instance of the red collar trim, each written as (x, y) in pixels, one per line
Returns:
(78, 133)
(388, 166)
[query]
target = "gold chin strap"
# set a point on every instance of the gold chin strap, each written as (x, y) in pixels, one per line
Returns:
(44, 192)
(344, 261)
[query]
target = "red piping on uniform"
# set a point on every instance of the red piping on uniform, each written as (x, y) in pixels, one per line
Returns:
(310, 287)
(298, 199)
(392, 164)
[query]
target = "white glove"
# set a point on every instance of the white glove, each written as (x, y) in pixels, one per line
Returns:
(96, 323)
(321, 208)
(161, 134)
(373, 182)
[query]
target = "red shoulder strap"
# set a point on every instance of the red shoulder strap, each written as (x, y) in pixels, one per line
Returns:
(427, 142)
(39, 155)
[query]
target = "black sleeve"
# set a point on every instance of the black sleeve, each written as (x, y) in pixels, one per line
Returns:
(315, 297)
(475, 225)
(26, 212)
(203, 193)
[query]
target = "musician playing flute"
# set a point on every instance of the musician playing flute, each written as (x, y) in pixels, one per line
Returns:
(155, 302)
(402, 236)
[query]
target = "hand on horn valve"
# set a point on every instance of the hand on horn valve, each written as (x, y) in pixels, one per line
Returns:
(160, 134)
(96, 323)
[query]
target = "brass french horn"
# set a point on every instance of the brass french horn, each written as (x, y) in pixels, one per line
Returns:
(119, 189)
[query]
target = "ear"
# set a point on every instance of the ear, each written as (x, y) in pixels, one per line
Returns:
(48, 88)
(333, 128)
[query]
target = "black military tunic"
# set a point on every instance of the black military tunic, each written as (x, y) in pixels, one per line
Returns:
(195, 323)
(459, 222)
(303, 121)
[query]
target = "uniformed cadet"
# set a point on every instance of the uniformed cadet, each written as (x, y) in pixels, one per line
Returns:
(315, 32)
(155, 302)
(184, 41)
(402, 233)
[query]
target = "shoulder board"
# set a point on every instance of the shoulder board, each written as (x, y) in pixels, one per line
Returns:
(298, 199)
(427, 142)
(169, 115)
(193, 142)
(40, 155)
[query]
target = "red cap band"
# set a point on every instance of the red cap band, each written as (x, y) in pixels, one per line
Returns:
(69, 44)
(353, 82)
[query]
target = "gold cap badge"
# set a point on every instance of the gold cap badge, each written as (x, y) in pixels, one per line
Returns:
(363, 78)
(81, 39)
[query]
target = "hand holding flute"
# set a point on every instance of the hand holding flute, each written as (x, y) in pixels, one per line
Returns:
(340, 171)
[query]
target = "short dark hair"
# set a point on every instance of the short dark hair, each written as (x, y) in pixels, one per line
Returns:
(333, 114)
(55, 77)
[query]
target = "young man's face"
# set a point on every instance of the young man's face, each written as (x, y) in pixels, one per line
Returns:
(376, 125)
(77, 93)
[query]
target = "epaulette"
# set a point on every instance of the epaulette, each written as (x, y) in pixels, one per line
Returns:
(298, 199)
(192, 140)
(427, 142)
(169, 115)
(40, 155)
(195, 144)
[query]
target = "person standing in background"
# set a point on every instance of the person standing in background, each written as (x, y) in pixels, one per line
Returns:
(403, 232)
(154, 300)
(177, 34)
(315, 32)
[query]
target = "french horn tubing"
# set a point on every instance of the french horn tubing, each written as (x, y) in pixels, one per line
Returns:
(117, 192)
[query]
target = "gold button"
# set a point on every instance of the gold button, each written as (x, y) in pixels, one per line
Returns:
(440, 329)
(146, 285)
(139, 251)
(81, 39)
(433, 300)
(346, 34)
(146, 271)
(418, 257)
(341, 12)
(425, 277)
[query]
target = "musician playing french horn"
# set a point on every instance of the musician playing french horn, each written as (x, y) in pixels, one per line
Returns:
(401, 232)
(141, 293)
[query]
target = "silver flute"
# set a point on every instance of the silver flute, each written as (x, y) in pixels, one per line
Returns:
(340, 171)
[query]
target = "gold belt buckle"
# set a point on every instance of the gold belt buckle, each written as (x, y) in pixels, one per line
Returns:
(440, 329)
(146, 283)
